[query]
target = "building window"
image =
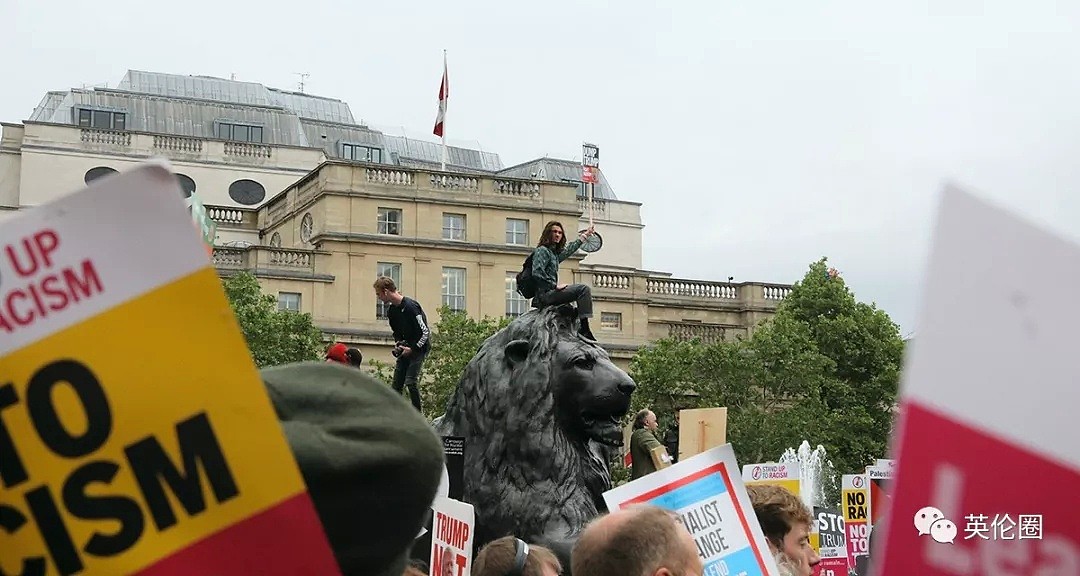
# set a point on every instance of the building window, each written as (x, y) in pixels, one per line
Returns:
(453, 288)
(391, 270)
(247, 192)
(239, 132)
(390, 221)
(453, 226)
(517, 231)
(288, 301)
(187, 185)
(611, 320)
(361, 153)
(275, 240)
(102, 120)
(95, 173)
(516, 304)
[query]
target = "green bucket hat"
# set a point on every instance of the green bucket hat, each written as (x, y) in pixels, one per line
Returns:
(371, 462)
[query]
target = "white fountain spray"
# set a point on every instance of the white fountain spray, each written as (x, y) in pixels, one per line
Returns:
(816, 473)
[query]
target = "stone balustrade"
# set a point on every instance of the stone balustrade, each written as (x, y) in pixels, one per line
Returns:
(185, 147)
(674, 290)
(397, 180)
(707, 333)
(599, 207)
(263, 258)
(692, 288)
(248, 150)
(180, 144)
(115, 138)
(231, 217)
(775, 291)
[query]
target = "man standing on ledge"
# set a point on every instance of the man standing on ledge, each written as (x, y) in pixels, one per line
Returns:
(412, 336)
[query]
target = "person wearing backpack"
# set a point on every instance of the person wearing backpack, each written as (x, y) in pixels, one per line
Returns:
(539, 278)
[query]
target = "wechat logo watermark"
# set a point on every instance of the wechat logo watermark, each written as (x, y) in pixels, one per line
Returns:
(931, 521)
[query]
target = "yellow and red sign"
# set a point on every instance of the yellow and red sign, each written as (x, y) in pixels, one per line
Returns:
(855, 507)
(135, 434)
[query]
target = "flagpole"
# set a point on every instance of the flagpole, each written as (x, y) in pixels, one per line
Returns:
(591, 203)
(443, 164)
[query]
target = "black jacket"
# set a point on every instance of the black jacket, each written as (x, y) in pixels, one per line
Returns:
(410, 324)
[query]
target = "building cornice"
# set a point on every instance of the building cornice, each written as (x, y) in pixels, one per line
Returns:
(179, 161)
(412, 242)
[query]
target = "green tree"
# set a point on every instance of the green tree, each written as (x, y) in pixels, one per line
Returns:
(774, 384)
(825, 369)
(273, 336)
(768, 383)
(670, 375)
(866, 351)
(455, 340)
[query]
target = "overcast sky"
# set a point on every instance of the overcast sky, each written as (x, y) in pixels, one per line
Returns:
(759, 136)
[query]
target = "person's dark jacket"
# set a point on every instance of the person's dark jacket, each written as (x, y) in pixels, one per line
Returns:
(545, 265)
(671, 443)
(409, 324)
(642, 441)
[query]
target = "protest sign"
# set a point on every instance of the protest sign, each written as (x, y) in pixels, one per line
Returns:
(707, 493)
(136, 436)
(989, 381)
(855, 504)
(699, 430)
(784, 475)
(454, 452)
(451, 538)
(832, 543)
(878, 482)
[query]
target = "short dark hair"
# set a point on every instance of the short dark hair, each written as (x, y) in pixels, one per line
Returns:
(639, 418)
(638, 545)
(385, 283)
(355, 356)
(497, 558)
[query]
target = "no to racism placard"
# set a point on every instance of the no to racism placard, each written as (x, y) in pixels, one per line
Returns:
(136, 436)
(707, 493)
(855, 507)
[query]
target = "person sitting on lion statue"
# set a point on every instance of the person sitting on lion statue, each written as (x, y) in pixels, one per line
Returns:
(549, 253)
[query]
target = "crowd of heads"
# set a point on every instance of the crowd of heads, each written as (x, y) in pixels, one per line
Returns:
(343, 354)
(645, 540)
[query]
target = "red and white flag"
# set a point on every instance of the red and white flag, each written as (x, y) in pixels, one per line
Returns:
(444, 94)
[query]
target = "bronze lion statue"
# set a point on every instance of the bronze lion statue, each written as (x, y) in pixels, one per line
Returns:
(540, 410)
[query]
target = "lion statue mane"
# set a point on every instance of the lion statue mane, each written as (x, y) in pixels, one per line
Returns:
(540, 408)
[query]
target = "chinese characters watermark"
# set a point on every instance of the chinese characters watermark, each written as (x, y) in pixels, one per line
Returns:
(932, 522)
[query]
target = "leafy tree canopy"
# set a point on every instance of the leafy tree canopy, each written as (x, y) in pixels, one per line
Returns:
(273, 336)
(825, 369)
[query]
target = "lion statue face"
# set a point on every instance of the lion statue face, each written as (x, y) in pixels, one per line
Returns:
(591, 394)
